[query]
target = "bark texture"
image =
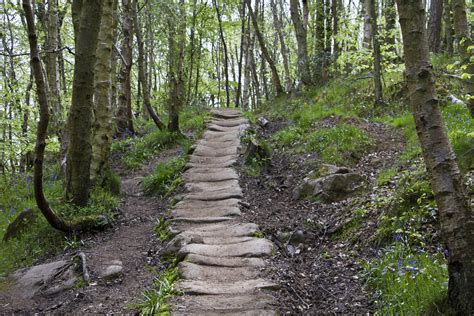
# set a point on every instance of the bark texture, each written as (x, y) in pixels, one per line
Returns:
(80, 116)
(464, 39)
(434, 25)
(301, 40)
(102, 128)
(124, 114)
(456, 216)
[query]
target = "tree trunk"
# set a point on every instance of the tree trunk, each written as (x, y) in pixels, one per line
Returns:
(301, 41)
(226, 55)
(377, 55)
(176, 42)
(124, 114)
(102, 128)
(141, 71)
(456, 217)
(278, 23)
(434, 25)
(390, 18)
(80, 114)
(367, 39)
(466, 50)
(241, 54)
(275, 77)
(52, 218)
(448, 28)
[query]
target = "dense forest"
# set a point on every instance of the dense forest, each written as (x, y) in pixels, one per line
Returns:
(252, 157)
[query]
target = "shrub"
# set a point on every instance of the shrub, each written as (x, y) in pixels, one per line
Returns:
(165, 178)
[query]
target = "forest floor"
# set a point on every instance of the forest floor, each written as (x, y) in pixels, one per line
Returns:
(131, 240)
(319, 272)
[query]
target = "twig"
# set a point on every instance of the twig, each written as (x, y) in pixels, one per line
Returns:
(69, 49)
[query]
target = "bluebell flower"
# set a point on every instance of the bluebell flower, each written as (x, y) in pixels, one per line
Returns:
(397, 237)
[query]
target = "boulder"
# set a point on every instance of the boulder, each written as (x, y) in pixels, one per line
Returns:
(331, 188)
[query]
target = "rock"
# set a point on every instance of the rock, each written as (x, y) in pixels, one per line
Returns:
(111, 270)
(327, 169)
(331, 188)
(263, 122)
(47, 279)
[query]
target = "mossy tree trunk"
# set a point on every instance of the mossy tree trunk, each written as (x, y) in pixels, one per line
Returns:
(302, 44)
(456, 216)
(102, 131)
(124, 117)
(466, 50)
(80, 114)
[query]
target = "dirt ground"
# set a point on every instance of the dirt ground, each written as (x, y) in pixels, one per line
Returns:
(131, 240)
(318, 272)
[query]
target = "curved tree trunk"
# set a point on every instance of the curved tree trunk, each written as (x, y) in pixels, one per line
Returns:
(80, 115)
(226, 55)
(456, 216)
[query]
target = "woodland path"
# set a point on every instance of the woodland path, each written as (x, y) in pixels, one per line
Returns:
(223, 259)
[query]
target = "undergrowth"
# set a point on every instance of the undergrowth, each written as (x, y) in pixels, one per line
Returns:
(37, 238)
(165, 178)
(154, 300)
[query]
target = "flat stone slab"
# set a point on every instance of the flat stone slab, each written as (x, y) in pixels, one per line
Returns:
(192, 271)
(212, 160)
(210, 174)
(205, 151)
(229, 163)
(218, 143)
(231, 122)
(232, 185)
(217, 288)
(219, 128)
(215, 195)
(226, 114)
(257, 247)
(224, 240)
(224, 261)
(218, 230)
(221, 136)
(191, 205)
(254, 312)
(218, 211)
(201, 220)
(222, 303)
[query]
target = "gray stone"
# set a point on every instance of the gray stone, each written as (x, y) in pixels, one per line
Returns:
(331, 188)
(215, 195)
(222, 303)
(257, 247)
(218, 230)
(49, 278)
(210, 174)
(218, 288)
(217, 211)
(211, 160)
(111, 270)
(327, 169)
(192, 271)
(219, 144)
(205, 151)
(231, 185)
(225, 261)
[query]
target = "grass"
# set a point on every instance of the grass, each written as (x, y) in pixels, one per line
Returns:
(165, 178)
(39, 239)
(154, 301)
(407, 282)
(162, 230)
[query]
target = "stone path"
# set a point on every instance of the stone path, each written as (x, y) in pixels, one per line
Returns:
(222, 260)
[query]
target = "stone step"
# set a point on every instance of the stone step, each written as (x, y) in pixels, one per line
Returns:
(221, 136)
(205, 204)
(201, 220)
(229, 163)
(257, 247)
(222, 303)
(211, 312)
(212, 160)
(205, 151)
(231, 185)
(216, 230)
(192, 271)
(224, 261)
(215, 195)
(197, 287)
(219, 128)
(217, 211)
(218, 144)
(231, 122)
(210, 174)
